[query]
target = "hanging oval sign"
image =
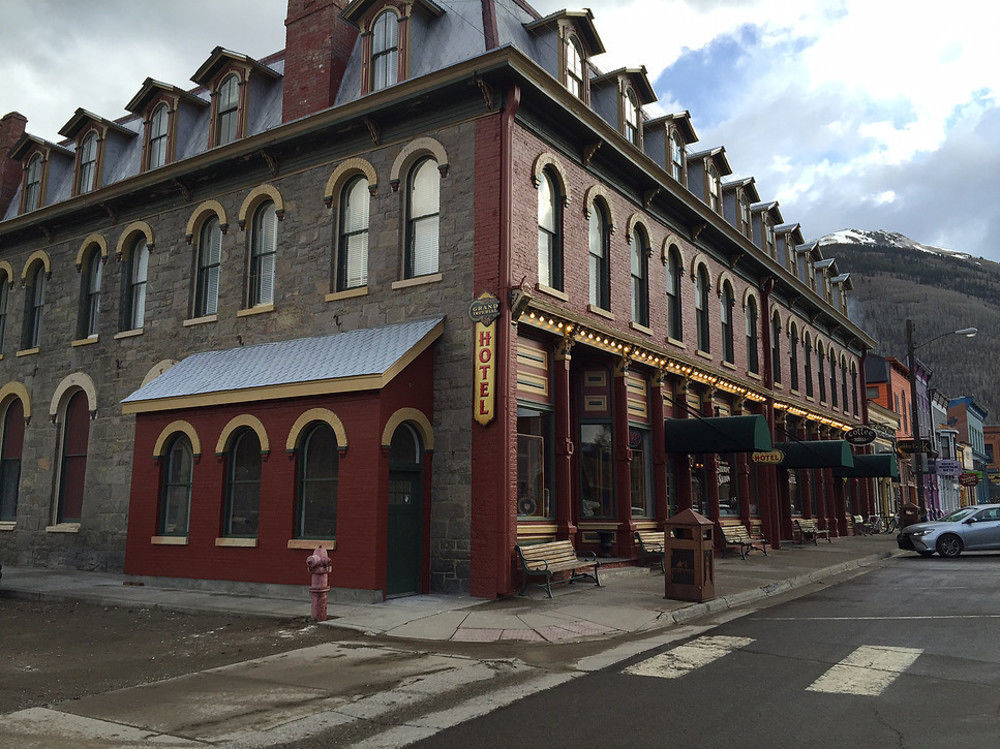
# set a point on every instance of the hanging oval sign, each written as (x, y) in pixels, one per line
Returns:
(772, 457)
(485, 308)
(861, 436)
(969, 479)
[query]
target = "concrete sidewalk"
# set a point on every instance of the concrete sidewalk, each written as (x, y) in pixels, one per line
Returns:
(630, 601)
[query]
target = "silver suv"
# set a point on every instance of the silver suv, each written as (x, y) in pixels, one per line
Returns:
(975, 528)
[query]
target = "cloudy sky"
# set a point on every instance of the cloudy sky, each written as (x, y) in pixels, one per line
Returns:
(872, 114)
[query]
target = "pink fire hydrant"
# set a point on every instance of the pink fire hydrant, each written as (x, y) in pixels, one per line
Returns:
(319, 565)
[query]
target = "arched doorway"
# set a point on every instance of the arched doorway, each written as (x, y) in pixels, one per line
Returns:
(405, 523)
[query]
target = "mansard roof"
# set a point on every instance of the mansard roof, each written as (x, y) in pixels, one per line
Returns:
(150, 87)
(357, 8)
(790, 226)
(683, 122)
(717, 154)
(747, 183)
(26, 141)
(221, 56)
(81, 118)
(636, 77)
(583, 20)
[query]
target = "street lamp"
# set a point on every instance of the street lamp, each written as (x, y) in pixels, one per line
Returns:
(911, 360)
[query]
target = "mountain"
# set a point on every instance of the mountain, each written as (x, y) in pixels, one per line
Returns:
(941, 290)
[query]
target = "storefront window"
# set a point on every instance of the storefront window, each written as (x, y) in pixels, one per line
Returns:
(534, 464)
(729, 496)
(794, 491)
(642, 485)
(596, 480)
(699, 488)
(754, 491)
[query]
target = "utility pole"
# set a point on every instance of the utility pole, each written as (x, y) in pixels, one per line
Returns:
(918, 456)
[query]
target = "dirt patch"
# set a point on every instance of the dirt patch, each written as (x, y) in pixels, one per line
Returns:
(54, 651)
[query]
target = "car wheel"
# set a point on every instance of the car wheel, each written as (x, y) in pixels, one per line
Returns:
(949, 546)
(926, 553)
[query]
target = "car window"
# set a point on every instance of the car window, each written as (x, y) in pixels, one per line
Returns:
(958, 515)
(991, 514)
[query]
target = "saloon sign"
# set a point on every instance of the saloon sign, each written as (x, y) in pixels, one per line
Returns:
(860, 436)
(485, 311)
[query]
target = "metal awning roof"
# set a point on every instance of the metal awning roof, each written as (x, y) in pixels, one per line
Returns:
(883, 465)
(719, 434)
(816, 454)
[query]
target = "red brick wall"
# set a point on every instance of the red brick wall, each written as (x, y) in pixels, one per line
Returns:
(359, 561)
(11, 129)
(318, 43)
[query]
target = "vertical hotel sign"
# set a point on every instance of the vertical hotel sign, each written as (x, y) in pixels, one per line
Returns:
(484, 311)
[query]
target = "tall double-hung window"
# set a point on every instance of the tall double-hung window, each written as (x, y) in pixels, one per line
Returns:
(263, 251)
(175, 488)
(550, 246)
(227, 113)
(599, 240)
(753, 361)
(157, 155)
(726, 318)
(90, 295)
(776, 347)
(630, 104)
(352, 245)
(674, 273)
(34, 305)
(701, 308)
(88, 164)
(134, 274)
(422, 219)
(808, 368)
(676, 155)
(385, 51)
(639, 268)
(576, 70)
(33, 183)
(209, 262)
(793, 357)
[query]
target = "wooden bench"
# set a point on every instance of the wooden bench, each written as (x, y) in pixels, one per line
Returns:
(548, 558)
(808, 530)
(651, 545)
(860, 526)
(739, 536)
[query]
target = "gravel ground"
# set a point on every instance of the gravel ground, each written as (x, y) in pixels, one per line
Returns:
(52, 651)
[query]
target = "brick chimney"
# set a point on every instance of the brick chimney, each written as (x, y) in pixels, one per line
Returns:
(318, 43)
(11, 129)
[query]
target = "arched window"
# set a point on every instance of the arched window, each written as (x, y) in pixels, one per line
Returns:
(10, 459)
(385, 51)
(821, 375)
(854, 389)
(753, 361)
(576, 71)
(157, 155)
(768, 234)
(263, 249)
(227, 113)
(175, 488)
(33, 183)
(422, 219)
(76, 435)
(809, 366)
(630, 106)
(726, 317)
(550, 246)
(714, 189)
(639, 262)
(88, 164)
(209, 259)
(701, 308)
(242, 485)
(34, 305)
(793, 357)
(833, 379)
(843, 383)
(4, 294)
(598, 242)
(352, 245)
(676, 155)
(745, 227)
(674, 271)
(319, 461)
(90, 295)
(134, 273)
(776, 347)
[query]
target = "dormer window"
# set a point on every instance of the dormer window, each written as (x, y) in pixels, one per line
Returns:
(575, 67)
(385, 51)
(227, 114)
(744, 213)
(714, 189)
(676, 155)
(33, 183)
(88, 164)
(158, 138)
(768, 235)
(630, 105)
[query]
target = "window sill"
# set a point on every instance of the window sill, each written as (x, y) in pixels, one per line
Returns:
(703, 354)
(552, 292)
(336, 296)
(777, 386)
(169, 540)
(309, 544)
(675, 342)
(28, 351)
(810, 399)
(237, 542)
(418, 281)
(640, 327)
(128, 333)
(7, 525)
(600, 311)
(63, 528)
(794, 391)
(728, 365)
(85, 341)
(753, 375)
(259, 309)
(191, 321)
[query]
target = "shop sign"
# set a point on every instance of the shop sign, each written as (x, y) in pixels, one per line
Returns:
(994, 477)
(772, 457)
(948, 468)
(484, 403)
(485, 308)
(969, 479)
(883, 432)
(911, 447)
(863, 435)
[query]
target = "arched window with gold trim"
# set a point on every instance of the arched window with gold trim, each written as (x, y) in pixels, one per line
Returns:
(318, 473)
(639, 268)
(34, 306)
(576, 67)
(808, 365)
(175, 488)
(73, 466)
(701, 285)
(11, 444)
(550, 238)
(243, 468)
(206, 294)
(227, 112)
(135, 271)
(675, 269)
(263, 253)
(157, 154)
(385, 51)
(726, 318)
(599, 241)
(90, 294)
(33, 183)
(776, 347)
(88, 164)
(752, 318)
(821, 374)
(352, 244)
(793, 356)
(423, 213)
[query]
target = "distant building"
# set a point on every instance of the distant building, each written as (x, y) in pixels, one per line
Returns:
(947, 467)
(991, 436)
(888, 385)
(966, 416)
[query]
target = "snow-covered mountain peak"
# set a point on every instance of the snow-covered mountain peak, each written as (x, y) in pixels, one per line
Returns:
(890, 239)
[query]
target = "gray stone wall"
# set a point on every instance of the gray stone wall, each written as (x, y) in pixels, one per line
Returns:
(303, 276)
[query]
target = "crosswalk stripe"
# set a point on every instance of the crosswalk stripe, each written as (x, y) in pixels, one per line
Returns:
(686, 658)
(868, 671)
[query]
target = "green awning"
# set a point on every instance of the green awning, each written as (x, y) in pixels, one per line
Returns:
(719, 434)
(816, 454)
(883, 465)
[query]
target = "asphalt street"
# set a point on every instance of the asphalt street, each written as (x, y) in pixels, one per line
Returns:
(905, 656)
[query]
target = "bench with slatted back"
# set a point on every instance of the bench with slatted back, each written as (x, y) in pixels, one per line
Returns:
(651, 545)
(739, 536)
(548, 558)
(808, 530)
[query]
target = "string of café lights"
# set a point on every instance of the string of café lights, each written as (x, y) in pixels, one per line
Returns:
(598, 339)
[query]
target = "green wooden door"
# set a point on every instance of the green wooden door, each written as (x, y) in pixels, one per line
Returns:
(404, 531)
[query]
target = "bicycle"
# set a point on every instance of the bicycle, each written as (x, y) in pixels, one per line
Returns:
(892, 525)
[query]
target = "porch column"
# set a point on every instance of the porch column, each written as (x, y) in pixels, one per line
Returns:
(831, 506)
(623, 463)
(781, 476)
(743, 474)
(712, 473)
(768, 486)
(840, 507)
(820, 476)
(805, 480)
(660, 456)
(564, 442)
(682, 461)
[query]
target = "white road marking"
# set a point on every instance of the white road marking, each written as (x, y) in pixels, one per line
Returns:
(869, 618)
(868, 671)
(686, 658)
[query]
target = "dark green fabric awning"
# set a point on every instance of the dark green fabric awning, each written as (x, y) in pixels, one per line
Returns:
(719, 434)
(883, 465)
(816, 454)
